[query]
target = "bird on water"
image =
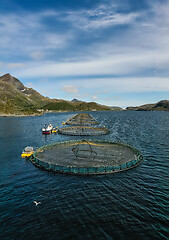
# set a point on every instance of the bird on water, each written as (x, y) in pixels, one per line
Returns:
(37, 203)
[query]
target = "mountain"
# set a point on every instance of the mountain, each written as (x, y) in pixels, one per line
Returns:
(75, 100)
(162, 105)
(80, 106)
(15, 98)
(115, 108)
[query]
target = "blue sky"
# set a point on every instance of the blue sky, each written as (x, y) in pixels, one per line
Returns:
(114, 52)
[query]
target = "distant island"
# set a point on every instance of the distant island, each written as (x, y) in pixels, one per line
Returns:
(162, 105)
(16, 99)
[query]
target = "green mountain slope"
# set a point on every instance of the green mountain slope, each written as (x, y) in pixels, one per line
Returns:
(15, 98)
(79, 106)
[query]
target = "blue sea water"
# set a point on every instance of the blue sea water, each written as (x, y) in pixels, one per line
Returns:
(129, 205)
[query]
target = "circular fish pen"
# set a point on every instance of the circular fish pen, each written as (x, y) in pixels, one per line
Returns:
(82, 123)
(83, 131)
(82, 119)
(87, 157)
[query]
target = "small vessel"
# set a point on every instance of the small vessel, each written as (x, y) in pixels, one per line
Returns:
(27, 153)
(54, 130)
(47, 129)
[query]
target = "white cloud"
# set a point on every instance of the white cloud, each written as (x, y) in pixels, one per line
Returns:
(87, 88)
(142, 49)
(29, 84)
(37, 55)
(95, 97)
(114, 19)
(70, 89)
(100, 17)
(15, 65)
(57, 40)
(136, 84)
(119, 64)
(26, 32)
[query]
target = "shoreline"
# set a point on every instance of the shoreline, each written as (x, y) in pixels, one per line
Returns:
(40, 114)
(28, 115)
(19, 115)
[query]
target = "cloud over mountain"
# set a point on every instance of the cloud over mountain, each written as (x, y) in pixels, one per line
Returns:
(125, 44)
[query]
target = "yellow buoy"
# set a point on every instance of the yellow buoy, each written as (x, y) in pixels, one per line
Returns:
(24, 154)
(54, 130)
(28, 151)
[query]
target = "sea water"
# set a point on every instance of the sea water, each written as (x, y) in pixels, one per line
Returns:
(129, 205)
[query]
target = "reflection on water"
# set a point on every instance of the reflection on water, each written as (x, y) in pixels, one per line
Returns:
(127, 205)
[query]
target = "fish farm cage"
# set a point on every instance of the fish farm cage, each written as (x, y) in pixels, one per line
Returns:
(83, 131)
(82, 119)
(86, 157)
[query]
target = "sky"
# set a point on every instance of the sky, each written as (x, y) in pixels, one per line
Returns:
(114, 52)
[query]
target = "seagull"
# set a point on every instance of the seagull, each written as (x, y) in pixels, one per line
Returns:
(36, 203)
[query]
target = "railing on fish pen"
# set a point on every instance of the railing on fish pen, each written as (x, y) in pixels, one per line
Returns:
(138, 158)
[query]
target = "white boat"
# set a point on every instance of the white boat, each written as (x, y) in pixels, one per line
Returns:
(47, 129)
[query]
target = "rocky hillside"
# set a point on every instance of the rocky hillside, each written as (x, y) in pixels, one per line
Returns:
(15, 98)
(159, 106)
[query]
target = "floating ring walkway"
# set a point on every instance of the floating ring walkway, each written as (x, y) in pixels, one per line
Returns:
(87, 157)
(83, 131)
(82, 119)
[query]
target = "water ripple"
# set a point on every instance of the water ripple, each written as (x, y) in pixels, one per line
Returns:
(128, 205)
